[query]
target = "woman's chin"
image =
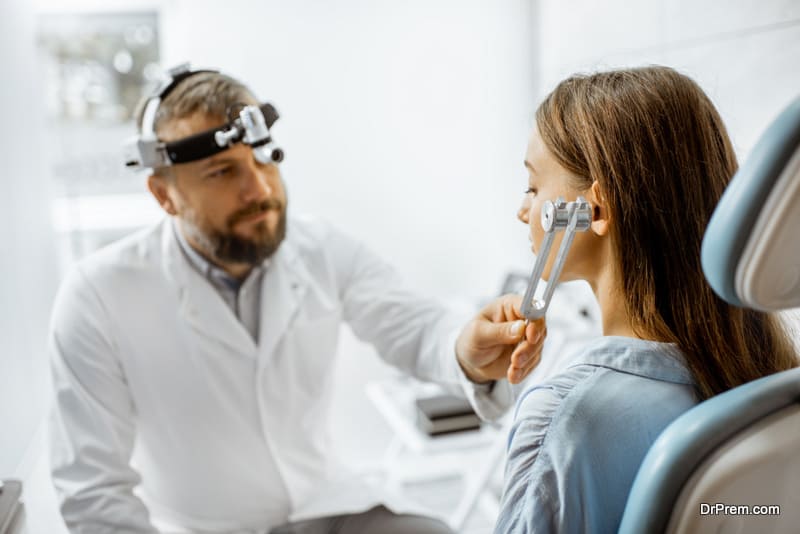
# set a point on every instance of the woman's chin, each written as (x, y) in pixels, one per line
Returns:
(564, 277)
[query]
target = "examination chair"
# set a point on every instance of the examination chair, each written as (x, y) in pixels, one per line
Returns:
(741, 447)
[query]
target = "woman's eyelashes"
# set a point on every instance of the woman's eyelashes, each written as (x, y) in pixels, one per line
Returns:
(530, 191)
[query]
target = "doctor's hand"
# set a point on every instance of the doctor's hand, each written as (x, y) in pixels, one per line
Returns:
(496, 344)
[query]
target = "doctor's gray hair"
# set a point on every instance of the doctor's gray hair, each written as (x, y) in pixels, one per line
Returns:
(210, 93)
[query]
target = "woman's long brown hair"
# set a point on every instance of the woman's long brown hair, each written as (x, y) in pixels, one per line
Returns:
(662, 157)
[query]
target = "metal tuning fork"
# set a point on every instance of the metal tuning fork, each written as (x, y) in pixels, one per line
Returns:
(556, 216)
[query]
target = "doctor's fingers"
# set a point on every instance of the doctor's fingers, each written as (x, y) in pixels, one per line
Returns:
(503, 308)
(497, 368)
(525, 358)
(488, 334)
(529, 347)
(536, 330)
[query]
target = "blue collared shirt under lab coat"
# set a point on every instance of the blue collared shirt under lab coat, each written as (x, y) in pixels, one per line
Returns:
(243, 297)
(578, 438)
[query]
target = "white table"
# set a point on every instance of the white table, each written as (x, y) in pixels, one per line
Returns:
(414, 458)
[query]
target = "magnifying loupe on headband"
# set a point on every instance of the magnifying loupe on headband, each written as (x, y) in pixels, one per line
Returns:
(250, 126)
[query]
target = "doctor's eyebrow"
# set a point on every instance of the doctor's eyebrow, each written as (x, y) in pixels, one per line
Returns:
(215, 162)
(529, 166)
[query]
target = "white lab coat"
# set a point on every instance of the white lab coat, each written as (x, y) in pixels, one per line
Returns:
(167, 412)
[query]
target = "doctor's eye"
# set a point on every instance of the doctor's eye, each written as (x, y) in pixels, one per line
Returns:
(219, 173)
(530, 190)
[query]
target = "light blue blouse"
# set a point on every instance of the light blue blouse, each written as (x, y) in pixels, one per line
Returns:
(578, 439)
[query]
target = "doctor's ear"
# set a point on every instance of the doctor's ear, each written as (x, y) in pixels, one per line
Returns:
(159, 187)
(601, 222)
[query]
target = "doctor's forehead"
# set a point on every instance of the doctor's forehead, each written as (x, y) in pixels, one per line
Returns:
(228, 157)
(182, 127)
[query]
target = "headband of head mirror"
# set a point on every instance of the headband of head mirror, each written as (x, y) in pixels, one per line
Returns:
(251, 127)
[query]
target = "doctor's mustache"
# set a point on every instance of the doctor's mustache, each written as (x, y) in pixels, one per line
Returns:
(254, 208)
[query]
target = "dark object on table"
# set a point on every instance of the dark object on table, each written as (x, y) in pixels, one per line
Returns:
(10, 507)
(443, 414)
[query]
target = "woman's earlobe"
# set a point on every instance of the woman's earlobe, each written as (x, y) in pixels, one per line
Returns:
(600, 227)
(600, 222)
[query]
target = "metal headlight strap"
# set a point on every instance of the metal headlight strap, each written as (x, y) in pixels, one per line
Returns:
(557, 216)
(251, 127)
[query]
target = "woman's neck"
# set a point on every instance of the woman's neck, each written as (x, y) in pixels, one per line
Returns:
(610, 297)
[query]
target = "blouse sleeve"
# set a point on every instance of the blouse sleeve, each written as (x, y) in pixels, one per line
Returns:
(520, 509)
(535, 492)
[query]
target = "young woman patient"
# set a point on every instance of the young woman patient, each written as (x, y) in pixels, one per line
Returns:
(648, 150)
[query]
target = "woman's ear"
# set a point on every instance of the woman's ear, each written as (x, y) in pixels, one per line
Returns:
(601, 223)
(160, 189)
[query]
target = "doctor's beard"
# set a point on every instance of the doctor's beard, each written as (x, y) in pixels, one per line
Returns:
(227, 246)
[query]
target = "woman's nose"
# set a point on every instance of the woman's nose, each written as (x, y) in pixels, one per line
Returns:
(524, 210)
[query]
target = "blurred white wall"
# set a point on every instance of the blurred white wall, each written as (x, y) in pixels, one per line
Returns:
(404, 123)
(28, 273)
(744, 53)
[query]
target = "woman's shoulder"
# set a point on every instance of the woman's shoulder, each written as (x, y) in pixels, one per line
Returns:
(604, 410)
(612, 383)
(608, 358)
(649, 359)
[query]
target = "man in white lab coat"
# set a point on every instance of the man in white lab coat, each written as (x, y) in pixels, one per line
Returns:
(192, 361)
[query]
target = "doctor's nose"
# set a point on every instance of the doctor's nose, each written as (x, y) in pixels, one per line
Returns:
(257, 182)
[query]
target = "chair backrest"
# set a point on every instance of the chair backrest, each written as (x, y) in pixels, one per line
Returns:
(751, 248)
(730, 464)
(737, 448)
(758, 469)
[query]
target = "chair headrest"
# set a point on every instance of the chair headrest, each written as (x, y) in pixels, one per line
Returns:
(751, 248)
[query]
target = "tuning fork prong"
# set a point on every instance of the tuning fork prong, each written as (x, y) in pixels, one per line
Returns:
(555, 216)
(549, 221)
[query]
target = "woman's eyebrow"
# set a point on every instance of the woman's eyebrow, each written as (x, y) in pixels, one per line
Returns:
(529, 166)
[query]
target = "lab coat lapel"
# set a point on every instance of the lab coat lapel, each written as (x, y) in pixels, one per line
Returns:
(201, 306)
(285, 282)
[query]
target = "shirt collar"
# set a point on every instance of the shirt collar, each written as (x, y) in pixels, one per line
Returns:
(209, 270)
(650, 359)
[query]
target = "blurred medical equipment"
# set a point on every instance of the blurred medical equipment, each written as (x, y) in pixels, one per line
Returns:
(445, 413)
(569, 217)
(248, 125)
(11, 509)
(739, 448)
